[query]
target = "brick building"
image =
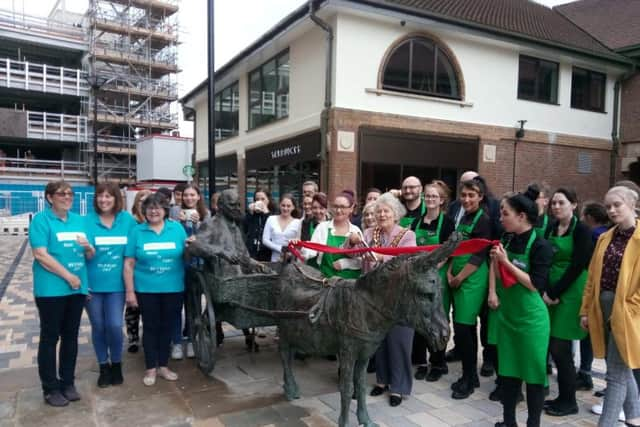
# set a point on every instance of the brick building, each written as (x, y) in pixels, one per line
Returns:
(425, 88)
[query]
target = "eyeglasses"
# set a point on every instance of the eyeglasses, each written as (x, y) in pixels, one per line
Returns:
(336, 207)
(64, 193)
(431, 196)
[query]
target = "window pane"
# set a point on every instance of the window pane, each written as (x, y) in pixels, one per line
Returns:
(283, 86)
(270, 82)
(423, 66)
(235, 106)
(446, 83)
(548, 82)
(396, 74)
(527, 74)
(218, 131)
(596, 91)
(579, 81)
(255, 90)
(226, 123)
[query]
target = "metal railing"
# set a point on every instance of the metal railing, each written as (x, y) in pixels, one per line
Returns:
(51, 126)
(42, 78)
(130, 114)
(40, 26)
(141, 54)
(38, 168)
(141, 85)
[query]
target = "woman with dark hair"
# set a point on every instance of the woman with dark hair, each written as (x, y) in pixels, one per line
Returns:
(611, 303)
(542, 203)
(107, 230)
(433, 228)
(572, 245)
(467, 276)
(318, 215)
(60, 286)
(254, 221)
(522, 330)
(154, 280)
(279, 229)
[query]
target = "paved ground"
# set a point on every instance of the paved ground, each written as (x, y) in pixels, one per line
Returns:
(245, 389)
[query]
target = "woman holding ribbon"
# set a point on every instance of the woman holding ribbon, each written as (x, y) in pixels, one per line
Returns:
(522, 329)
(572, 246)
(433, 228)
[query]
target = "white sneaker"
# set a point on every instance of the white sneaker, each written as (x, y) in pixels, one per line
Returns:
(176, 352)
(597, 409)
(190, 353)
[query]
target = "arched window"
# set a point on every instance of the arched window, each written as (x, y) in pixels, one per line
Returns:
(418, 65)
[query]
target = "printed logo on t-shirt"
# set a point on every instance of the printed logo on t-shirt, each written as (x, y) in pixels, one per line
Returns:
(69, 236)
(159, 246)
(111, 240)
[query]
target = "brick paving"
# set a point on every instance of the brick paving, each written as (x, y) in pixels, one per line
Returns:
(245, 389)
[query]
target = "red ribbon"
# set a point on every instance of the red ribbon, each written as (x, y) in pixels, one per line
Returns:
(465, 247)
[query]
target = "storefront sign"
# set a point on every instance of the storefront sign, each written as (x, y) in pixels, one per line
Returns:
(300, 148)
(286, 152)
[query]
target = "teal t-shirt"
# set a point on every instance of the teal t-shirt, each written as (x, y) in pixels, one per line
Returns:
(159, 264)
(59, 237)
(105, 268)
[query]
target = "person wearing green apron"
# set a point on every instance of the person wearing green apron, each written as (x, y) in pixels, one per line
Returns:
(433, 228)
(522, 323)
(335, 233)
(572, 246)
(468, 281)
(411, 192)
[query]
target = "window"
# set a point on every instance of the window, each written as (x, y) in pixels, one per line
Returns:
(419, 66)
(227, 105)
(538, 80)
(269, 91)
(587, 89)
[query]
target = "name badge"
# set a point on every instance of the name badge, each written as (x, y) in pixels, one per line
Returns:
(159, 246)
(111, 240)
(521, 265)
(69, 236)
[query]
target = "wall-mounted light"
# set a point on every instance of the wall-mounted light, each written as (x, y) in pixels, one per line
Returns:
(520, 132)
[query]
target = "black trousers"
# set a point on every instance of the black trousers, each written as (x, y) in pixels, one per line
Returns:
(467, 340)
(159, 311)
(419, 352)
(562, 355)
(535, 400)
(59, 320)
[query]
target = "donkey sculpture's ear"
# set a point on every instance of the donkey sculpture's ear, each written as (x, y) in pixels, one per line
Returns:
(428, 260)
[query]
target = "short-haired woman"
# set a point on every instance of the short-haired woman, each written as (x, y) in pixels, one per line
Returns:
(107, 230)
(393, 358)
(154, 281)
(60, 286)
(611, 305)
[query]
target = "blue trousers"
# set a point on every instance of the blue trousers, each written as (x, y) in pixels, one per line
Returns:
(105, 310)
(393, 360)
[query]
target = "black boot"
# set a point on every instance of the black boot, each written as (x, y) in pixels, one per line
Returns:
(116, 374)
(104, 380)
(464, 390)
(584, 381)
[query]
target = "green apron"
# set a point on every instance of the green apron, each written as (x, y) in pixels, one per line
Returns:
(522, 327)
(540, 231)
(406, 221)
(326, 265)
(565, 318)
(313, 262)
(469, 298)
(426, 238)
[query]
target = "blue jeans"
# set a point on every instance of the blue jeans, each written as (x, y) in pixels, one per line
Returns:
(105, 311)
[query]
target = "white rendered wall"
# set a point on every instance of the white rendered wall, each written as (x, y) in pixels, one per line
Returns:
(490, 72)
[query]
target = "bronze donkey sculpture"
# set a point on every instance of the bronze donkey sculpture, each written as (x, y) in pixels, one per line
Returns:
(350, 318)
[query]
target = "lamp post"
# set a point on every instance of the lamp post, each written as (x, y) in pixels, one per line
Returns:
(211, 99)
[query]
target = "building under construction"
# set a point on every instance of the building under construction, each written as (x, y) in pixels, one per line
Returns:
(120, 56)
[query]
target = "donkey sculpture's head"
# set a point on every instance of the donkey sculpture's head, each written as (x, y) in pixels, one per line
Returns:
(420, 301)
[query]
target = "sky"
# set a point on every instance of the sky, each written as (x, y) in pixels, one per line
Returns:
(237, 24)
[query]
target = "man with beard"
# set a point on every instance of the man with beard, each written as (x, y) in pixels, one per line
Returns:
(411, 192)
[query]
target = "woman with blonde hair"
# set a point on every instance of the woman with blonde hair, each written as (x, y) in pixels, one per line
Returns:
(611, 304)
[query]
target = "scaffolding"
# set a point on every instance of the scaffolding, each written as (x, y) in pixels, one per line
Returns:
(132, 63)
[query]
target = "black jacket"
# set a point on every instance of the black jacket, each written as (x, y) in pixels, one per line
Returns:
(253, 226)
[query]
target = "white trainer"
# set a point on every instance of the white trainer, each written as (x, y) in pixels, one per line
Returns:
(597, 409)
(176, 352)
(190, 353)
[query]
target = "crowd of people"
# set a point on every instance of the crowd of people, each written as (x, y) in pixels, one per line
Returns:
(552, 278)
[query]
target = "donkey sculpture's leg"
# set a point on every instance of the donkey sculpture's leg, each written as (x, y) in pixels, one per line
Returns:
(290, 387)
(347, 362)
(361, 392)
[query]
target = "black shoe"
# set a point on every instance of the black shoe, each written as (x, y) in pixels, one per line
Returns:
(584, 381)
(475, 383)
(377, 390)
(331, 357)
(133, 348)
(550, 402)
(70, 393)
(104, 380)
(600, 393)
(55, 398)
(116, 374)
(395, 400)
(421, 372)
(464, 390)
(436, 372)
(487, 369)
(452, 356)
(503, 424)
(496, 394)
(561, 410)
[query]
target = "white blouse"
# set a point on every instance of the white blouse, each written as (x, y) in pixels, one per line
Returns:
(275, 238)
